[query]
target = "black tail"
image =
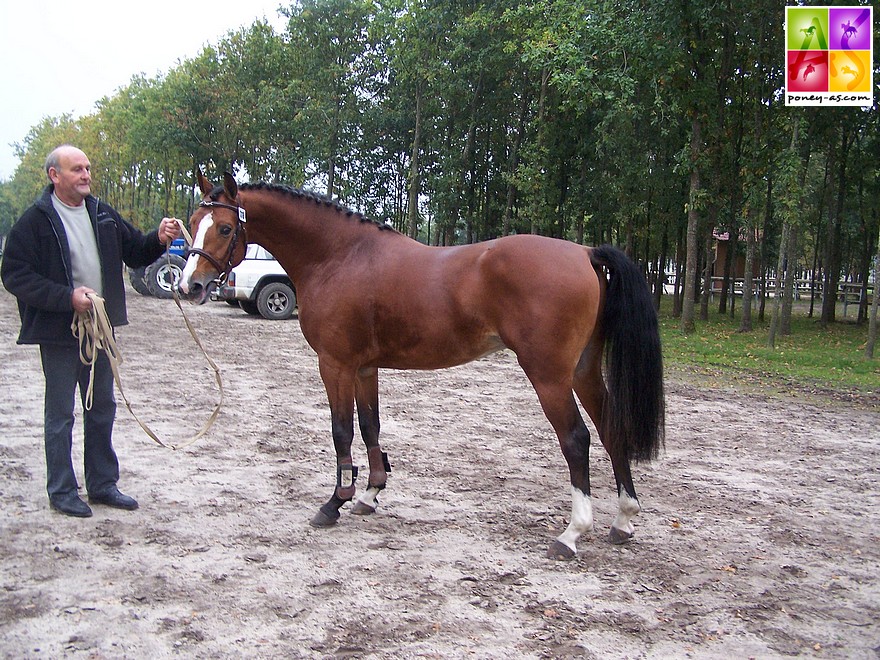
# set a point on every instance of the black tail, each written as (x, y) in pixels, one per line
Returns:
(634, 415)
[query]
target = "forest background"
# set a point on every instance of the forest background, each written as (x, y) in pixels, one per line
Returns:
(659, 127)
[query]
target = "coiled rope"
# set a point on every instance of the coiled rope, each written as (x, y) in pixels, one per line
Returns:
(93, 332)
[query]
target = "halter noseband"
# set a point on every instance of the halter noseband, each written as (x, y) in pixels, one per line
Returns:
(239, 227)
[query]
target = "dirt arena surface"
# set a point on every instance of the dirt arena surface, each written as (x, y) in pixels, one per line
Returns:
(759, 535)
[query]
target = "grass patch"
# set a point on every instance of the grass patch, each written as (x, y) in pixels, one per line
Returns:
(823, 361)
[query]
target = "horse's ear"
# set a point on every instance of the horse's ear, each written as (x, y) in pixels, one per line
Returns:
(204, 185)
(230, 187)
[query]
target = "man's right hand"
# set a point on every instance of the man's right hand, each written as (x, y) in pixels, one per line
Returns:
(80, 300)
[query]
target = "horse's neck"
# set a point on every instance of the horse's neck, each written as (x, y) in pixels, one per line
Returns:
(298, 232)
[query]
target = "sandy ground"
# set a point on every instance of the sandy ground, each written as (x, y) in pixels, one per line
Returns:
(759, 535)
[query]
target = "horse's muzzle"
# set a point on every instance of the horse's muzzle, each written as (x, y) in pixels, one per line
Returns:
(198, 292)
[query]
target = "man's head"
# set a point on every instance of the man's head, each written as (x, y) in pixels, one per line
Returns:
(71, 172)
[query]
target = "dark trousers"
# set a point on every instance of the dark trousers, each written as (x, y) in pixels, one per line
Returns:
(64, 372)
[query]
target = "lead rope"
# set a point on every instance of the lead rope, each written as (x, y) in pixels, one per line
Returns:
(94, 332)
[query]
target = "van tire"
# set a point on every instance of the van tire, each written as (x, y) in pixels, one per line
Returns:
(136, 277)
(164, 273)
(276, 301)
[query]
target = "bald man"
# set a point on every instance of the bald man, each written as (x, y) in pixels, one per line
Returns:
(67, 245)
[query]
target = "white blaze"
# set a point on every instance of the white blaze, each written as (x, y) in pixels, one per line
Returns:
(198, 242)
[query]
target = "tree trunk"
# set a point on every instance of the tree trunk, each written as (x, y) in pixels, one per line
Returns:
(864, 265)
(763, 258)
(789, 282)
(745, 324)
(819, 231)
(777, 294)
(412, 204)
(835, 231)
(660, 274)
(872, 321)
(581, 208)
(466, 164)
(334, 145)
(514, 164)
(727, 274)
(688, 324)
(708, 267)
(679, 268)
(331, 176)
(784, 252)
(537, 203)
(792, 253)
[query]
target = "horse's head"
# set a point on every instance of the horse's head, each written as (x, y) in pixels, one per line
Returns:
(219, 243)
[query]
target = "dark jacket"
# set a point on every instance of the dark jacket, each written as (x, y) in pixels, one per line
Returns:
(36, 267)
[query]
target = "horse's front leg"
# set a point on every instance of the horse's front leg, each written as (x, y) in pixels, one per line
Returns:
(340, 393)
(367, 400)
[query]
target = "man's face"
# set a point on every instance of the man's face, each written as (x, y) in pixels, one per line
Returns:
(72, 177)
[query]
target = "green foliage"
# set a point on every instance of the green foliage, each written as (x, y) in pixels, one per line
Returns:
(810, 359)
(330, 85)
(30, 176)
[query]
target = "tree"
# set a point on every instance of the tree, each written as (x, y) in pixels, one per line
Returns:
(329, 43)
(30, 176)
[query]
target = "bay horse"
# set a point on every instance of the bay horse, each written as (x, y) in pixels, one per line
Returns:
(371, 298)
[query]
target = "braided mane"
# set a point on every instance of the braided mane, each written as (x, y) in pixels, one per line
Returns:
(311, 196)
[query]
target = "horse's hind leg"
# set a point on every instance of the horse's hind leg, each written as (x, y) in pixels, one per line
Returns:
(559, 406)
(367, 400)
(590, 389)
(628, 507)
(574, 440)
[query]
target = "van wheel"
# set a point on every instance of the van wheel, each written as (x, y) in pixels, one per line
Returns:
(249, 307)
(276, 301)
(136, 277)
(163, 274)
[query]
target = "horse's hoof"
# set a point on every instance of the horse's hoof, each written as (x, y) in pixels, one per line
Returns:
(559, 550)
(362, 509)
(321, 519)
(619, 537)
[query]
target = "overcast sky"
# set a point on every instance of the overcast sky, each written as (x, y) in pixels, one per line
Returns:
(62, 56)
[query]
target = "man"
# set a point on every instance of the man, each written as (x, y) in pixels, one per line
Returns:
(66, 246)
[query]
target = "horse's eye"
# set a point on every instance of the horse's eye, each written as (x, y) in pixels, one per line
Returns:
(225, 230)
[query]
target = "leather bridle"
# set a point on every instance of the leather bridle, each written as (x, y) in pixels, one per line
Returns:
(239, 230)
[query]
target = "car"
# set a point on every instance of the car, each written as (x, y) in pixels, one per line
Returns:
(159, 278)
(259, 285)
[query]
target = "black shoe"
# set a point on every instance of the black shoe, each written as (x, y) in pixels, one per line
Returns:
(115, 499)
(70, 505)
